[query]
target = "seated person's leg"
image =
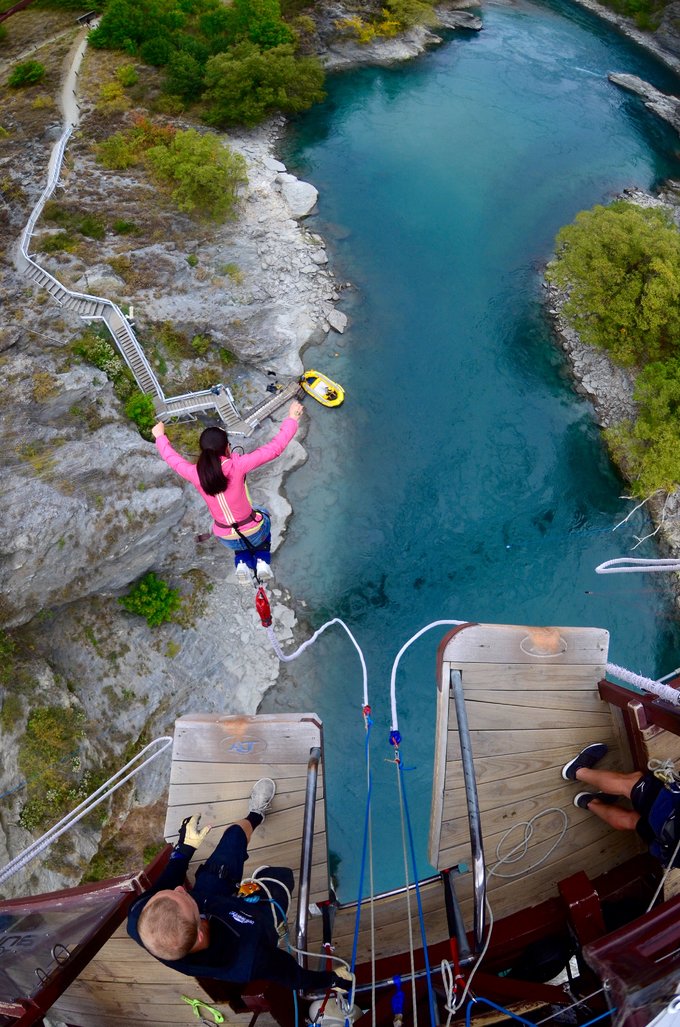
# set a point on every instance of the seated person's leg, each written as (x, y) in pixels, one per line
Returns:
(226, 862)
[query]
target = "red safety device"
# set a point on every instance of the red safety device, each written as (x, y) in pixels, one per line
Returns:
(263, 608)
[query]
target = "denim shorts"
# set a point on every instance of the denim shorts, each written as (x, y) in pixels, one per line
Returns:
(260, 539)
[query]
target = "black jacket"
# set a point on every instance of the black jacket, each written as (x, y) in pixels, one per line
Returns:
(243, 940)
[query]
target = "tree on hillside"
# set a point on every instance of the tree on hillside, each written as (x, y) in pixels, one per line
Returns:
(621, 267)
(259, 21)
(649, 447)
(128, 24)
(203, 175)
(245, 85)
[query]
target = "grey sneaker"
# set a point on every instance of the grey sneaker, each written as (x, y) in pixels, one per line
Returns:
(263, 570)
(583, 799)
(587, 757)
(261, 796)
(243, 575)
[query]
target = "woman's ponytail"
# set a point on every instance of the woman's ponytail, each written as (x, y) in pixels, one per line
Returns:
(213, 443)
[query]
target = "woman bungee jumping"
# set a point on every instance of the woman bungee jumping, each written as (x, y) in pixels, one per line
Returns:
(220, 478)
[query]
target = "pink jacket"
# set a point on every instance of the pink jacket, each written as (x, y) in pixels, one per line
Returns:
(234, 503)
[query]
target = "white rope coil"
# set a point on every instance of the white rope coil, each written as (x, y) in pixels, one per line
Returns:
(85, 807)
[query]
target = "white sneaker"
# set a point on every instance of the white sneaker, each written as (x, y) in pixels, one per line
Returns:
(243, 574)
(261, 796)
(263, 570)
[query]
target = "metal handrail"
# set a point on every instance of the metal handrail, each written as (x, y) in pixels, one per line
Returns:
(306, 855)
(474, 818)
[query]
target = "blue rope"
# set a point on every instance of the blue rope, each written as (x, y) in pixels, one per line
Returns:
(520, 1019)
(430, 991)
(364, 848)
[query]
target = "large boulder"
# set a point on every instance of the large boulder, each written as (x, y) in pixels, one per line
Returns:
(666, 107)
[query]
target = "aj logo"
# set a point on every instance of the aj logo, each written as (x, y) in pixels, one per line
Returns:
(245, 746)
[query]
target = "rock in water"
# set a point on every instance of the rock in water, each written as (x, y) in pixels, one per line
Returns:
(301, 197)
(667, 107)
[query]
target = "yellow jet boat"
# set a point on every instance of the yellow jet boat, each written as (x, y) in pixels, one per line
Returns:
(322, 389)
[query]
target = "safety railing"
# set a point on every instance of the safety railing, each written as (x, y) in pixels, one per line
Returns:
(474, 816)
(306, 855)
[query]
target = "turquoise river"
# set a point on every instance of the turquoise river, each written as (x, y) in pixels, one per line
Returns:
(463, 478)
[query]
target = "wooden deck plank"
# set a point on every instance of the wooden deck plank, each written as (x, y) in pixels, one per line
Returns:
(273, 738)
(508, 677)
(526, 740)
(196, 772)
(486, 716)
(566, 698)
(519, 644)
(223, 791)
(528, 712)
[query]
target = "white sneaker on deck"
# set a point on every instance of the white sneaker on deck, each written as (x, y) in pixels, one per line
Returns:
(243, 574)
(261, 796)
(263, 570)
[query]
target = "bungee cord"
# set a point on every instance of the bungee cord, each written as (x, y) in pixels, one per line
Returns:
(288, 657)
(395, 665)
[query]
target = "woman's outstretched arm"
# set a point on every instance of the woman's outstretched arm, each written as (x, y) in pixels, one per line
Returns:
(275, 448)
(173, 459)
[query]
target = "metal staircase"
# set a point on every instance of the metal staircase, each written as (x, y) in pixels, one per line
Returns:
(96, 308)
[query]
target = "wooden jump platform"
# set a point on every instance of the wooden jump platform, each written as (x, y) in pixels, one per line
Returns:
(532, 703)
(529, 710)
(215, 762)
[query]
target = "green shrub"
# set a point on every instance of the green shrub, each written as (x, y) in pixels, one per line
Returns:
(184, 76)
(110, 861)
(112, 99)
(99, 352)
(92, 226)
(117, 152)
(192, 260)
(234, 272)
(151, 851)
(125, 149)
(62, 242)
(127, 76)
(200, 344)
(123, 227)
(245, 85)
(11, 712)
(621, 267)
(260, 22)
(26, 74)
(153, 599)
(649, 447)
(48, 759)
(203, 176)
(140, 409)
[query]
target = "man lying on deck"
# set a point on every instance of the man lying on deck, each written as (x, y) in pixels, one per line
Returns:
(654, 796)
(211, 931)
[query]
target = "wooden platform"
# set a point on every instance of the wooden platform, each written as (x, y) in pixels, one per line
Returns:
(216, 761)
(532, 703)
(123, 985)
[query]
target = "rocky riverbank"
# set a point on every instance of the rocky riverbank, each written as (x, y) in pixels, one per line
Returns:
(610, 387)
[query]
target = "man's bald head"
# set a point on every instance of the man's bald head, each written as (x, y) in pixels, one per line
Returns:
(169, 924)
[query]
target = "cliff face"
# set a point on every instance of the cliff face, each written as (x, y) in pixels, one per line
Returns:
(87, 505)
